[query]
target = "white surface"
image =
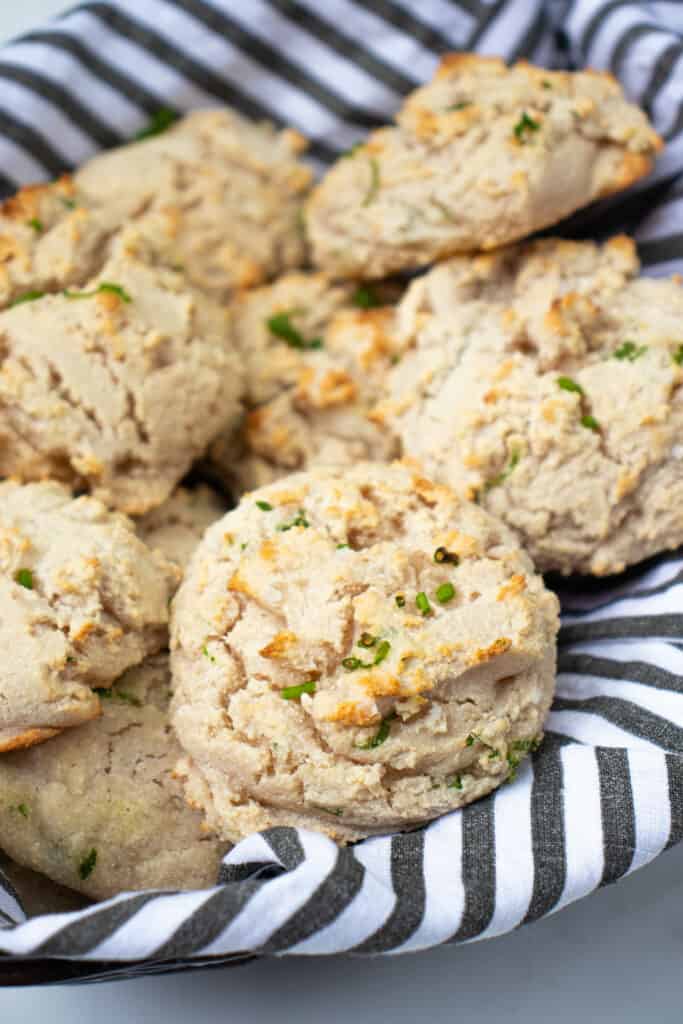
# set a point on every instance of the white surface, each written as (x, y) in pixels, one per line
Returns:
(614, 957)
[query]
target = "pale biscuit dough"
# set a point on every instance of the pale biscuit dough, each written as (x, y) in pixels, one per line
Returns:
(482, 155)
(115, 390)
(108, 787)
(176, 527)
(434, 710)
(558, 408)
(308, 400)
(81, 598)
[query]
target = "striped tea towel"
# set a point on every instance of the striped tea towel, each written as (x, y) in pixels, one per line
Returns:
(604, 795)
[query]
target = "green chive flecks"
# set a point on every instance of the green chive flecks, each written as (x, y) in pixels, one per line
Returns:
(24, 577)
(445, 593)
(103, 287)
(382, 651)
(282, 327)
(27, 297)
(630, 351)
(458, 106)
(351, 664)
(373, 189)
(400, 601)
(442, 555)
(678, 355)
(365, 297)
(264, 506)
(590, 423)
(121, 695)
(159, 122)
(37, 225)
(455, 782)
(525, 127)
(422, 602)
(299, 520)
(501, 477)
(295, 692)
(367, 640)
(471, 740)
(567, 384)
(380, 736)
(87, 865)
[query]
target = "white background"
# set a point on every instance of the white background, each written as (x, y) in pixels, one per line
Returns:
(617, 956)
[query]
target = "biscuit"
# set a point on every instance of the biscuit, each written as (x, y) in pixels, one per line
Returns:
(216, 195)
(315, 353)
(98, 810)
(481, 156)
(176, 527)
(117, 387)
(356, 653)
(81, 600)
(559, 408)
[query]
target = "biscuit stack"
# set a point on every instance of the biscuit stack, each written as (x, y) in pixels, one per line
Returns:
(365, 642)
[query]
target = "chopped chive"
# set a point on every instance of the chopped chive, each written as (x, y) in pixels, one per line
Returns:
(207, 654)
(69, 203)
(24, 577)
(546, 84)
(243, 545)
(493, 753)
(87, 865)
(470, 739)
(120, 695)
(264, 506)
(629, 350)
(380, 736)
(340, 546)
(37, 225)
(299, 520)
(365, 297)
(351, 664)
(678, 355)
(159, 122)
(445, 593)
(459, 106)
(525, 127)
(367, 640)
(27, 297)
(590, 423)
(455, 782)
(422, 602)
(443, 555)
(294, 692)
(23, 810)
(330, 810)
(382, 652)
(501, 477)
(282, 327)
(400, 601)
(372, 191)
(104, 286)
(567, 384)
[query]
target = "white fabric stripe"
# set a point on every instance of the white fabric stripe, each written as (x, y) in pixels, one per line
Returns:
(444, 889)
(660, 702)
(22, 168)
(153, 924)
(9, 906)
(653, 652)
(275, 903)
(111, 106)
(503, 34)
(665, 269)
(608, 36)
(305, 49)
(642, 55)
(583, 838)
(594, 731)
(406, 54)
(451, 21)
(667, 101)
(649, 779)
(665, 220)
(666, 602)
(61, 133)
(253, 848)
(247, 75)
(660, 576)
(514, 853)
(369, 910)
(670, 12)
(26, 937)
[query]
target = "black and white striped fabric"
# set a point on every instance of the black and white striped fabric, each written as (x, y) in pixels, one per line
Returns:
(604, 795)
